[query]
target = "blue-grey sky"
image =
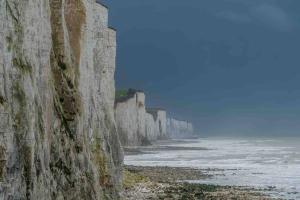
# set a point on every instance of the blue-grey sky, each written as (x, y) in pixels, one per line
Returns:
(230, 66)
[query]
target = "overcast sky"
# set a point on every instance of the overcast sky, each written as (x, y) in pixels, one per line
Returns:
(230, 66)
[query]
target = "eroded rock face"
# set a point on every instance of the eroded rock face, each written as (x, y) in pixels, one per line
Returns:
(130, 118)
(179, 129)
(136, 124)
(160, 122)
(150, 128)
(58, 137)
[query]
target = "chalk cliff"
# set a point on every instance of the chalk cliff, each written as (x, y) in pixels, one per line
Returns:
(179, 129)
(58, 137)
(160, 122)
(130, 117)
(151, 130)
(136, 124)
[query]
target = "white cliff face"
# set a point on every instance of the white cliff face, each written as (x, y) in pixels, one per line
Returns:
(179, 129)
(162, 124)
(140, 100)
(58, 138)
(151, 129)
(130, 118)
(160, 120)
(136, 126)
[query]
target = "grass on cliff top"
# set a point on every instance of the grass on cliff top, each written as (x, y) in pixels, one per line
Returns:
(131, 179)
(121, 93)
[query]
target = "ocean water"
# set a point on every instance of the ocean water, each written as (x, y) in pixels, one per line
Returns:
(269, 164)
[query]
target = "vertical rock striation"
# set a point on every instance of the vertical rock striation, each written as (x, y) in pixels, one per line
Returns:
(160, 122)
(136, 124)
(58, 137)
(151, 130)
(130, 117)
(179, 129)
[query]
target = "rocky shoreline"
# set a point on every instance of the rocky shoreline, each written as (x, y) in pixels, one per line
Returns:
(177, 183)
(168, 183)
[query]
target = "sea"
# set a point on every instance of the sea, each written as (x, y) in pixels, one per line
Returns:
(271, 165)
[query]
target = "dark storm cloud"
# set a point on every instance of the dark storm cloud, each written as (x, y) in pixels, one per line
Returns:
(269, 14)
(234, 16)
(225, 64)
(273, 16)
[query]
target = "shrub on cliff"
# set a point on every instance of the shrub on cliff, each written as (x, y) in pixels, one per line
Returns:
(121, 93)
(124, 95)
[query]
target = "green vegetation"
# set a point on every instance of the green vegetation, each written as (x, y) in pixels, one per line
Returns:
(131, 179)
(121, 93)
(100, 161)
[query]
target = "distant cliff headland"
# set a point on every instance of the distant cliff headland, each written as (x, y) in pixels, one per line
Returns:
(60, 127)
(139, 125)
